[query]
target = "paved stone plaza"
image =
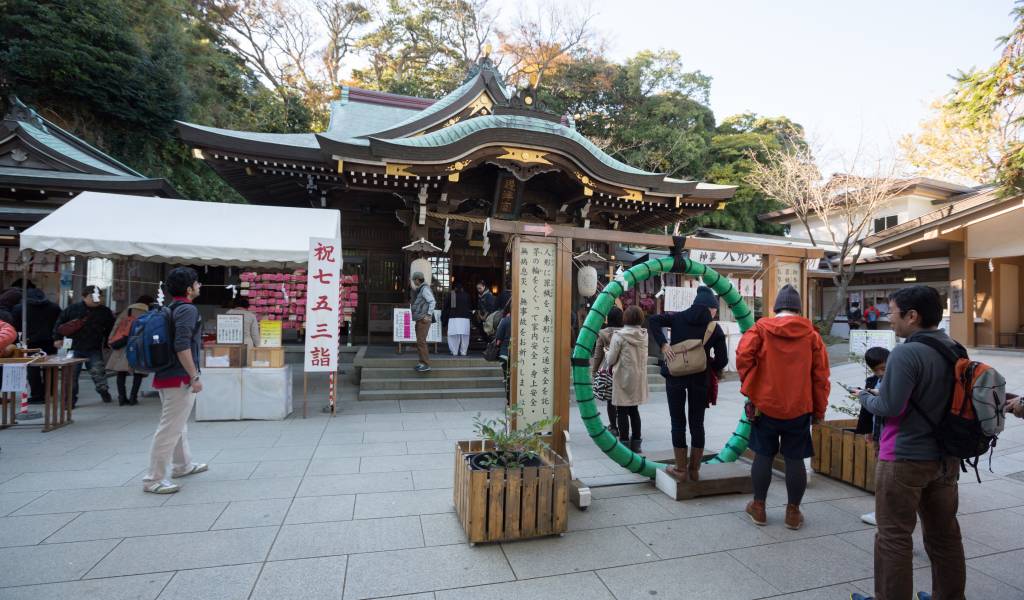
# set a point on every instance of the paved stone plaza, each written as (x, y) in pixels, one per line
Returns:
(360, 506)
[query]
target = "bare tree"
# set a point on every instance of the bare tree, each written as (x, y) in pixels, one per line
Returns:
(252, 28)
(841, 209)
(342, 20)
(471, 30)
(538, 40)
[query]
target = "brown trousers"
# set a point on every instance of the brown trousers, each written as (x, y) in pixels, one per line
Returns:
(422, 329)
(904, 491)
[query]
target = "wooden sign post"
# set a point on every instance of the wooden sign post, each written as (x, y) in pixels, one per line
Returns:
(780, 271)
(541, 328)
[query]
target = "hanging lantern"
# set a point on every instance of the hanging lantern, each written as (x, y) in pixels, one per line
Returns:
(421, 265)
(586, 281)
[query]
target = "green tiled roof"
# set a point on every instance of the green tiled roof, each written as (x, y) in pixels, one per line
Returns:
(61, 147)
(354, 119)
(450, 135)
(441, 104)
(301, 140)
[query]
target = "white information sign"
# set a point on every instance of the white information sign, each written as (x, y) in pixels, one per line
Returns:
(535, 342)
(322, 305)
(405, 329)
(862, 339)
(678, 299)
(229, 329)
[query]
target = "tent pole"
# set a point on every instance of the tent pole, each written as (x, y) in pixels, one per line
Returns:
(24, 300)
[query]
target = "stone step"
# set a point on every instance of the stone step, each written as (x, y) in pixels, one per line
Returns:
(432, 394)
(415, 383)
(437, 371)
(409, 360)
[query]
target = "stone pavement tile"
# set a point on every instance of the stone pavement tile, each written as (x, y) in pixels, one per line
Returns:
(699, 535)
(333, 466)
(985, 497)
(865, 540)
(785, 565)
(135, 587)
(371, 407)
(217, 583)
(346, 537)
(320, 509)
(474, 404)
(820, 518)
(832, 592)
(423, 596)
(442, 529)
(134, 522)
(429, 406)
(621, 491)
(305, 579)
(68, 480)
(218, 471)
(460, 434)
(595, 467)
(821, 488)
(202, 492)
(979, 585)
(707, 577)
(12, 501)
(577, 551)
(438, 447)
(999, 529)
(611, 512)
(30, 530)
(578, 586)
(358, 483)
(341, 438)
(180, 551)
(26, 565)
(344, 450)
(1004, 567)
(270, 469)
(400, 504)
(855, 506)
(91, 499)
(420, 435)
(717, 505)
(424, 569)
(253, 513)
(432, 479)
(261, 454)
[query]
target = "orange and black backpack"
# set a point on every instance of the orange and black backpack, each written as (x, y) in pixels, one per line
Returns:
(976, 411)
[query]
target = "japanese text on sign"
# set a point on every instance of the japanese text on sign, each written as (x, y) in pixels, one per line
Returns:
(535, 342)
(322, 304)
(229, 329)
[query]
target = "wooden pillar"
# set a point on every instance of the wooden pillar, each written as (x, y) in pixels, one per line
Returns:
(960, 323)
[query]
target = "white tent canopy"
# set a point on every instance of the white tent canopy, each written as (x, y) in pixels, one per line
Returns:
(181, 231)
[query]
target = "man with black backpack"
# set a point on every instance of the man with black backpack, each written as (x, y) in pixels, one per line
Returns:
(915, 475)
(178, 383)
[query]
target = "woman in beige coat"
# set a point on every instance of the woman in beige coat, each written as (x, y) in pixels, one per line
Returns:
(250, 324)
(118, 361)
(599, 369)
(627, 357)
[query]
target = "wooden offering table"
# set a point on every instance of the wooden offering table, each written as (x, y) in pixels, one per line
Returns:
(58, 383)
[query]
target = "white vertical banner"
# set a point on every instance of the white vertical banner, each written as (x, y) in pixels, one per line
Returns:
(323, 301)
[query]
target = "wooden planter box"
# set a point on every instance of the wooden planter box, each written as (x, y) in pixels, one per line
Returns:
(503, 504)
(842, 455)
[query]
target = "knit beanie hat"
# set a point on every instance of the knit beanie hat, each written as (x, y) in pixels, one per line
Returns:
(788, 299)
(705, 297)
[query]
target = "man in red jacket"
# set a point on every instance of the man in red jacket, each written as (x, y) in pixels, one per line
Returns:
(783, 367)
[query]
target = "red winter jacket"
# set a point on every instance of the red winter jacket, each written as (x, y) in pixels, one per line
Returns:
(783, 366)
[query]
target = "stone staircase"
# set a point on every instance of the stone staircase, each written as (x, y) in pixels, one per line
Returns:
(655, 382)
(449, 378)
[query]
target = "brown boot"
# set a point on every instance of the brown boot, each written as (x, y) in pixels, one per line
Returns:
(696, 457)
(678, 470)
(755, 508)
(794, 518)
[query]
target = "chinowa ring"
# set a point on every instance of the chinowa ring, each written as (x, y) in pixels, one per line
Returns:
(584, 349)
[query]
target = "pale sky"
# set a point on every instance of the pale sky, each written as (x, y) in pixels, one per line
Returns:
(854, 74)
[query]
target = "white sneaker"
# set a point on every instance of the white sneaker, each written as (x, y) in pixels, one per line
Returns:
(869, 518)
(191, 470)
(160, 487)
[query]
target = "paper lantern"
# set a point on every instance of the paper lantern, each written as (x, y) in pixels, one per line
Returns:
(586, 281)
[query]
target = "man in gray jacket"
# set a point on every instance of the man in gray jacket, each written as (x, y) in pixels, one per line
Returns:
(422, 315)
(914, 477)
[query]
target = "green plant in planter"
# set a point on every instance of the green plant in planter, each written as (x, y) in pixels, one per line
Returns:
(513, 448)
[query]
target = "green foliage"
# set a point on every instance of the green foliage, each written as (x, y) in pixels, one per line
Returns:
(512, 447)
(124, 71)
(738, 139)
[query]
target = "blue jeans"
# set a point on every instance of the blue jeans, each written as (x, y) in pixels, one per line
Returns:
(97, 371)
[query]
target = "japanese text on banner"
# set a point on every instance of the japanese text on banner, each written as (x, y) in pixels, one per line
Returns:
(535, 347)
(322, 305)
